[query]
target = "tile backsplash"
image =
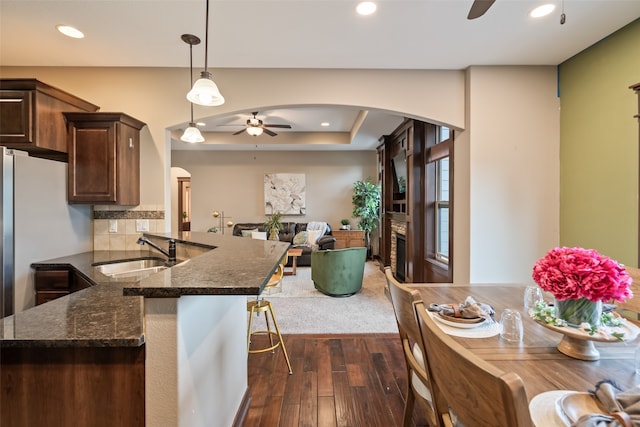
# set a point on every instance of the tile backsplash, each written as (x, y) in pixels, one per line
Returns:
(116, 228)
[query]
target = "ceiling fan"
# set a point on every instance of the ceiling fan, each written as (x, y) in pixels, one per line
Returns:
(479, 8)
(255, 126)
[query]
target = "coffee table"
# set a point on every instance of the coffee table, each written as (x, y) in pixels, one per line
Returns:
(293, 253)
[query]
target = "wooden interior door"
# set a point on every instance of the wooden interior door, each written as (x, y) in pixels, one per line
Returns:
(184, 204)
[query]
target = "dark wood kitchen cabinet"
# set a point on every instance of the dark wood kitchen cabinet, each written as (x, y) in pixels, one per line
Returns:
(72, 386)
(104, 158)
(31, 117)
(52, 284)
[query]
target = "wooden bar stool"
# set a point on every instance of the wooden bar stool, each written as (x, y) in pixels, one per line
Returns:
(261, 305)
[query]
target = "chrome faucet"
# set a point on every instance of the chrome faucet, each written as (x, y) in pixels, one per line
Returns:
(170, 254)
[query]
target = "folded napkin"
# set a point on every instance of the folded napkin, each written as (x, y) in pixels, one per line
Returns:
(469, 309)
(623, 407)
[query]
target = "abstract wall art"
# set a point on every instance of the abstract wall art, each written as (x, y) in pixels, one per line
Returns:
(284, 193)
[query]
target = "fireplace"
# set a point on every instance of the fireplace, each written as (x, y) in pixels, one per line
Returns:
(401, 256)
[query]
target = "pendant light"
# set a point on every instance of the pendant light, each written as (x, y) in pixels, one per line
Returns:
(192, 133)
(205, 91)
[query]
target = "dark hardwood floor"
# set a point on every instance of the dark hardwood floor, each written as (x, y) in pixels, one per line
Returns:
(338, 380)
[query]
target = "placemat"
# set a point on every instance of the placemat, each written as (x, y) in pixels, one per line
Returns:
(486, 330)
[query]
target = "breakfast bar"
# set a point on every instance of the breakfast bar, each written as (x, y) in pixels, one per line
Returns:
(168, 349)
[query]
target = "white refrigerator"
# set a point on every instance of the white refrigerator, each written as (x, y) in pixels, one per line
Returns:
(37, 224)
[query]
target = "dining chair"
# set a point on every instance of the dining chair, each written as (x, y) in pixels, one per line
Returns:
(477, 393)
(630, 309)
(419, 387)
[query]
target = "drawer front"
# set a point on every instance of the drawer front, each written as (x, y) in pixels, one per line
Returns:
(46, 296)
(52, 279)
(348, 238)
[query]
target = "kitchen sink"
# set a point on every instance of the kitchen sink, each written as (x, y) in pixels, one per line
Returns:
(137, 268)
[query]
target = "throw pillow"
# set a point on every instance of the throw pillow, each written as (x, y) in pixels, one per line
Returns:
(300, 238)
(314, 235)
(259, 235)
(247, 233)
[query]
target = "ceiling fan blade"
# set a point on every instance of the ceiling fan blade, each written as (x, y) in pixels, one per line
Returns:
(277, 126)
(268, 132)
(239, 132)
(231, 124)
(479, 8)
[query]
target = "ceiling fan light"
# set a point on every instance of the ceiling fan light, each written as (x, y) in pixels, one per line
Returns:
(254, 130)
(205, 92)
(192, 134)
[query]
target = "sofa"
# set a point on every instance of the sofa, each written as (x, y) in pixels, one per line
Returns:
(288, 233)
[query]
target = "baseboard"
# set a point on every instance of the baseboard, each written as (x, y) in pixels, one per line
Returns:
(238, 421)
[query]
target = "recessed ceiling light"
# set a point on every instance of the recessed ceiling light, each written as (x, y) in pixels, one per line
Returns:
(70, 31)
(325, 124)
(543, 10)
(366, 8)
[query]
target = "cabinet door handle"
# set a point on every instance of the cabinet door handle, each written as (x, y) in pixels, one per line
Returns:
(130, 142)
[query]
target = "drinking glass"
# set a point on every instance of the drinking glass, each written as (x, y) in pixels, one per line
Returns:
(511, 325)
(532, 294)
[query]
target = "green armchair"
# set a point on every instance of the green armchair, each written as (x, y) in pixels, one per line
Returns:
(338, 272)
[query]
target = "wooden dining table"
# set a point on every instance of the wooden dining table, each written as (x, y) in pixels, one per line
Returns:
(536, 359)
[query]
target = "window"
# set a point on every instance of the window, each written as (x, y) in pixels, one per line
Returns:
(442, 210)
(443, 134)
(438, 207)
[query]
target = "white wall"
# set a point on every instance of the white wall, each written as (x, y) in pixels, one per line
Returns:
(212, 359)
(232, 181)
(196, 360)
(509, 147)
(156, 96)
(461, 191)
(514, 156)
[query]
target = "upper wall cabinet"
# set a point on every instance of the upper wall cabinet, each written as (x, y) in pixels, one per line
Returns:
(104, 158)
(31, 117)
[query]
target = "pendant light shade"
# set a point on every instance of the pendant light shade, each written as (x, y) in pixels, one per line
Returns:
(192, 133)
(205, 91)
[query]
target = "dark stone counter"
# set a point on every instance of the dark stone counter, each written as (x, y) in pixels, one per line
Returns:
(111, 313)
(237, 266)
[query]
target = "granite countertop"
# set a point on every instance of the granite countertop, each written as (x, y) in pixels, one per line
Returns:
(111, 313)
(237, 266)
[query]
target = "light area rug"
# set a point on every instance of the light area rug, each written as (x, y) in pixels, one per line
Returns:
(301, 309)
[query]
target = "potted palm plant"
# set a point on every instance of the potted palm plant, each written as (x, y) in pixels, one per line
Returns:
(274, 225)
(366, 206)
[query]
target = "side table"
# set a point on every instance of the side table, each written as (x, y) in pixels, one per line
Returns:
(294, 253)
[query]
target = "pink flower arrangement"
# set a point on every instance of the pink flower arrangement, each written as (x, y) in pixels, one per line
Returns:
(573, 273)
